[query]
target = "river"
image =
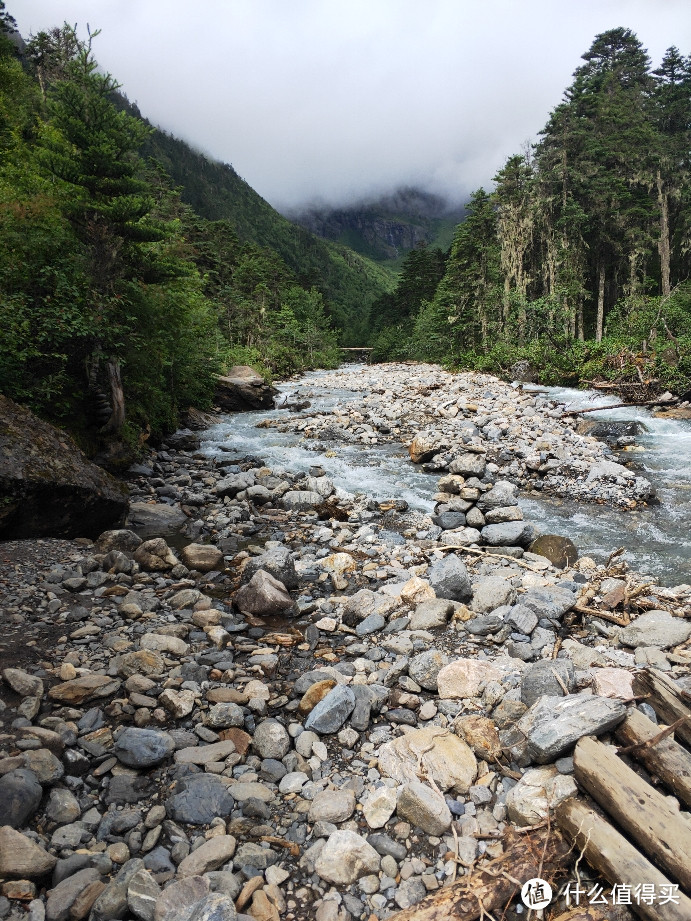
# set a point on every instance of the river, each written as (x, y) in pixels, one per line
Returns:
(657, 539)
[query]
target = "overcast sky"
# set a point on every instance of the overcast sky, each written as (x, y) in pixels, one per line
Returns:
(335, 99)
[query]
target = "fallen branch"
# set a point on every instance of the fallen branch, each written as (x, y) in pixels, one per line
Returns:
(493, 887)
(597, 409)
(623, 621)
(499, 556)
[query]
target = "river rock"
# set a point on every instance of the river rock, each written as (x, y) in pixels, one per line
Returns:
(464, 678)
(479, 733)
(560, 551)
(225, 715)
(332, 806)
(537, 792)
(345, 858)
(158, 642)
(433, 613)
(117, 539)
(423, 447)
(178, 703)
(20, 795)
(82, 690)
(553, 725)
(143, 748)
(447, 759)
(301, 499)
(142, 894)
(331, 713)
(314, 694)
(155, 519)
(141, 662)
(277, 562)
(613, 682)
(546, 678)
(48, 487)
(449, 579)
(424, 808)
(379, 806)
(204, 754)
(202, 557)
(199, 799)
(511, 534)
(210, 856)
(63, 896)
(155, 555)
(271, 739)
(243, 389)
(490, 593)
(468, 465)
(22, 683)
(656, 628)
(181, 897)
(503, 513)
(263, 595)
(22, 858)
(424, 668)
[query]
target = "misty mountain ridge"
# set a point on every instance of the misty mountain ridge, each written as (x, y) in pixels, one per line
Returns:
(388, 226)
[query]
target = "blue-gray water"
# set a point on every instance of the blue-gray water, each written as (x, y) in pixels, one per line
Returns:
(657, 539)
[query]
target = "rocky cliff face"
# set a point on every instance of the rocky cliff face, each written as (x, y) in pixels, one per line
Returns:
(385, 228)
(48, 487)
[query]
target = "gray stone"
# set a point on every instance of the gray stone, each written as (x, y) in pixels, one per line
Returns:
(553, 725)
(62, 897)
(20, 795)
(301, 499)
(62, 806)
(332, 806)
(22, 683)
(225, 715)
(271, 739)
(214, 907)
(433, 613)
(536, 793)
(491, 593)
(263, 595)
(449, 579)
(142, 894)
(469, 465)
(277, 562)
(424, 808)
(549, 601)
(410, 892)
(253, 855)
(345, 858)
(545, 679)
(118, 539)
(522, 619)
(332, 711)
(511, 534)
(199, 799)
(424, 668)
(179, 899)
(143, 748)
(155, 519)
(202, 557)
(503, 514)
(656, 628)
(112, 902)
(210, 856)
(371, 624)
(501, 495)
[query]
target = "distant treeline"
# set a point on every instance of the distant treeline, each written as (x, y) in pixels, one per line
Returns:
(579, 259)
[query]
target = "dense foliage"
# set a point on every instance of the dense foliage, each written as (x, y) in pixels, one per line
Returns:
(579, 258)
(118, 303)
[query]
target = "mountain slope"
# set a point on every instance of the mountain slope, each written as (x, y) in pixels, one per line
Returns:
(348, 281)
(388, 227)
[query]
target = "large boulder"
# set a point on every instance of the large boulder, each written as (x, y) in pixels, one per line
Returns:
(242, 389)
(155, 519)
(48, 487)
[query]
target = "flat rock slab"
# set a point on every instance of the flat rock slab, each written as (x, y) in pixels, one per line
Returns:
(82, 690)
(444, 757)
(205, 754)
(553, 725)
(656, 628)
(22, 858)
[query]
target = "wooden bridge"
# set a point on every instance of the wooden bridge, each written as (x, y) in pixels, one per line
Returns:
(358, 354)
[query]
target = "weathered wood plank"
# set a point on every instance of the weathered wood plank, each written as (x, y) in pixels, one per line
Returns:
(663, 696)
(615, 858)
(491, 888)
(643, 812)
(667, 759)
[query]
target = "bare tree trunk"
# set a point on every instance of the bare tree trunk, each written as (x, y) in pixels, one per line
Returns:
(600, 321)
(663, 245)
(579, 320)
(117, 420)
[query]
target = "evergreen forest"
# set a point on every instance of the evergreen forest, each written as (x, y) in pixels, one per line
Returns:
(133, 269)
(578, 261)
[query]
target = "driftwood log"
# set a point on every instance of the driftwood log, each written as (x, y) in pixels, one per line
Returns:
(643, 812)
(542, 853)
(663, 696)
(664, 758)
(615, 858)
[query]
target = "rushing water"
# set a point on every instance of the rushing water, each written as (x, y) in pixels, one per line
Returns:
(657, 539)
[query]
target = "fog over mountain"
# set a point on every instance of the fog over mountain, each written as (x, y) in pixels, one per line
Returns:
(333, 102)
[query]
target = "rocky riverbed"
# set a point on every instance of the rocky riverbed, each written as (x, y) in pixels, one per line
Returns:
(275, 701)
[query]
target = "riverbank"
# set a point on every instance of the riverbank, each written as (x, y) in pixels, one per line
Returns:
(299, 703)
